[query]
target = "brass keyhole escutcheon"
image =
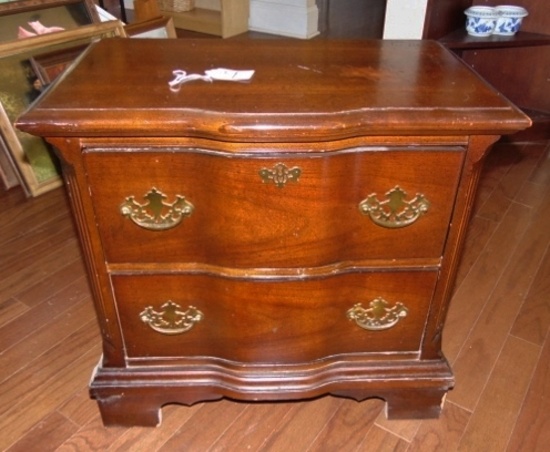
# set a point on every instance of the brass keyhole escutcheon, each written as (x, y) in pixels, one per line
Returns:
(280, 174)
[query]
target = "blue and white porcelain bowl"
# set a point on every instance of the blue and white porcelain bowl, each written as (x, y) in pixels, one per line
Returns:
(509, 19)
(481, 20)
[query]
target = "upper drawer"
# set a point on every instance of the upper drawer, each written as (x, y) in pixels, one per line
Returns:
(276, 210)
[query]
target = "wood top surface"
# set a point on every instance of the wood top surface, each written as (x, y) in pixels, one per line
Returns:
(301, 90)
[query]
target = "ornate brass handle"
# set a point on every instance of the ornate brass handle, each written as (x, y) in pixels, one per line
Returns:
(378, 316)
(394, 211)
(280, 174)
(156, 214)
(171, 319)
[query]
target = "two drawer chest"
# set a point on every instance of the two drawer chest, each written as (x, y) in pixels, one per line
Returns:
(283, 238)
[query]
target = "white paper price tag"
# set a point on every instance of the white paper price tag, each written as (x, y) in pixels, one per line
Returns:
(227, 75)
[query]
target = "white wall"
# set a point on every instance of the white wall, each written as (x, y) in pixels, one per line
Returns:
(292, 18)
(405, 19)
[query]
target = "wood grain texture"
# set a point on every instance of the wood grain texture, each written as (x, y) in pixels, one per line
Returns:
(532, 430)
(52, 430)
(10, 309)
(351, 88)
(491, 424)
(469, 298)
(481, 349)
(533, 320)
(441, 434)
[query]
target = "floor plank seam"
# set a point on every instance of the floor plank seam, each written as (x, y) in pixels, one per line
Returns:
(327, 421)
(45, 326)
(393, 433)
(496, 281)
(228, 426)
(527, 388)
(66, 417)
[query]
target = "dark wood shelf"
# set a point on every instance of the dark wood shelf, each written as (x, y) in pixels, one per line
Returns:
(461, 40)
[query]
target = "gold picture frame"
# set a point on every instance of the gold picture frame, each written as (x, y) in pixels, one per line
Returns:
(48, 66)
(8, 170)
(20, 86)
(158, 28)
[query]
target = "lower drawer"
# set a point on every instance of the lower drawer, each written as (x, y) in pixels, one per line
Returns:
(272, 321)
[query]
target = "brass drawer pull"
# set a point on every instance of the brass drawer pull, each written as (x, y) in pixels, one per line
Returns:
(156, 214)
(280, 174)
(378, 316)
(171, 319)
(394, 211)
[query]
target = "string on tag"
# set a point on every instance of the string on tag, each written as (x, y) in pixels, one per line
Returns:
(181, 77)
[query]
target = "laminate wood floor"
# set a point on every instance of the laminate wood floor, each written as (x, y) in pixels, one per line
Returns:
(496, 337)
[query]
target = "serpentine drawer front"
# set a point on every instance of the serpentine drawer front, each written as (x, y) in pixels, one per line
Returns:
(280, 317)
(293, 210)
(281, 239)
